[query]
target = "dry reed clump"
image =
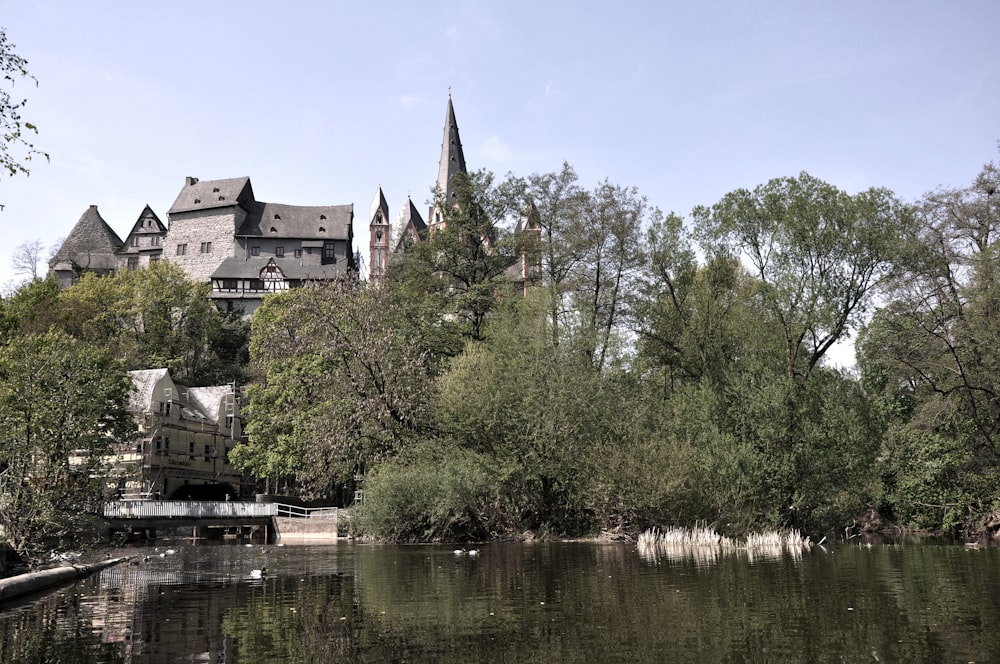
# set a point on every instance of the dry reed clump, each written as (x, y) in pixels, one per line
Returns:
(701, 542)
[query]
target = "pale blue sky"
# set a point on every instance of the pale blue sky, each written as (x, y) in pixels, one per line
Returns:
(322, 102)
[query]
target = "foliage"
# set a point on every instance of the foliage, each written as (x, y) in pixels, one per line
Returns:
(339, 387)
(931, 358)
(153, 317)
(14, 130)
(430, 495)
(461, 267)
(818, 252)
(63, 405)
(536, 410)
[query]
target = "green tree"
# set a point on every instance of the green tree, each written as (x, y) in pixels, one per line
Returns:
(461, 269)
(537, 411)
(557, 203)
(818, 252)
(153, 317)
(63, 405)
(14, 129)
(339, 387)
(607, 274)
(931, 355)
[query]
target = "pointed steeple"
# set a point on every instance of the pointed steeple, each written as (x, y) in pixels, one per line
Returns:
(379, 233)
(409, 227)
(452, 157)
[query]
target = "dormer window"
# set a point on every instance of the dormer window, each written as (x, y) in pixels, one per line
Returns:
(197, 200)
(215, 190)
(222, 198)
(277, 216)
(322, 217)
(322, 229)
(273, 229)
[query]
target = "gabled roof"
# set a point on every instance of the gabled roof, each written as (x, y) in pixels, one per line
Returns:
(197, 404)
(201, 404)
(147, 225)
(198, 195)
(91, 244)
(147, 215)
(143, 383)
(378, 203)
(319, 222)
(409, 218)
(452, 157)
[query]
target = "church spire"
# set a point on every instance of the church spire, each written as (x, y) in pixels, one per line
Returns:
(452, 157)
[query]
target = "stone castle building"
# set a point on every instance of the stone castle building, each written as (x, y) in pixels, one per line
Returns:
(217, 231)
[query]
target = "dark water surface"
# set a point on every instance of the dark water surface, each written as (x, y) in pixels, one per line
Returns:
(526, 602)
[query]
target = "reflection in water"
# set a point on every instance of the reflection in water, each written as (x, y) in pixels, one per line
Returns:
(563, 602)
(706, 547)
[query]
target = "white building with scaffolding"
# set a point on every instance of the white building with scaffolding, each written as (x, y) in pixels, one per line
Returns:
(185, 437)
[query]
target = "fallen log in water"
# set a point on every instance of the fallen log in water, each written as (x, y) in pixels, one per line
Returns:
(32, 582)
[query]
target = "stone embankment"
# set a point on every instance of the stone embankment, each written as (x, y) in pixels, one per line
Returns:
(33, 582)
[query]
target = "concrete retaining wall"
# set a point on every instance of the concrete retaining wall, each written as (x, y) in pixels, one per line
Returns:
(305, 530)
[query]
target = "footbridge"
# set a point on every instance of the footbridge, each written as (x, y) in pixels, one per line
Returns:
(276, 520)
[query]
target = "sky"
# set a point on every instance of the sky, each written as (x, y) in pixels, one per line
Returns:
(320, 103)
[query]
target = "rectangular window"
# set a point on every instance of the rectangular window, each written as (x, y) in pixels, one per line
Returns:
(208, 453)
(191, 451)
(229, 284)
(298, 253)
(226, 459)
(329, 253)
(279, 252)
(206, 247)
(135, 240)
(255, 251)
(256, 284)
(133, 262)
(159, 447)
(229, 421)
(154, 258)
(182, 249)
(164, 407)
(154, 241)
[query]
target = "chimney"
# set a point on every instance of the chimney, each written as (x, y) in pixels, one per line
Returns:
(188, 181)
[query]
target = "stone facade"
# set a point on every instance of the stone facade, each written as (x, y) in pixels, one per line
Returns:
(199, 242)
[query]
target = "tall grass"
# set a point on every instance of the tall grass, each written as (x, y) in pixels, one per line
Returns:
(706, 546)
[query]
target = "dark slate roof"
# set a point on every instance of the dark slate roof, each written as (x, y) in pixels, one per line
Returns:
(91, 244)
(292, 268)
(378, 203)
(452, 156)
(408, 216)
(320, 222)
(198, 195)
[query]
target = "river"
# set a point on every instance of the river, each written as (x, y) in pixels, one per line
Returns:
(519, 602)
